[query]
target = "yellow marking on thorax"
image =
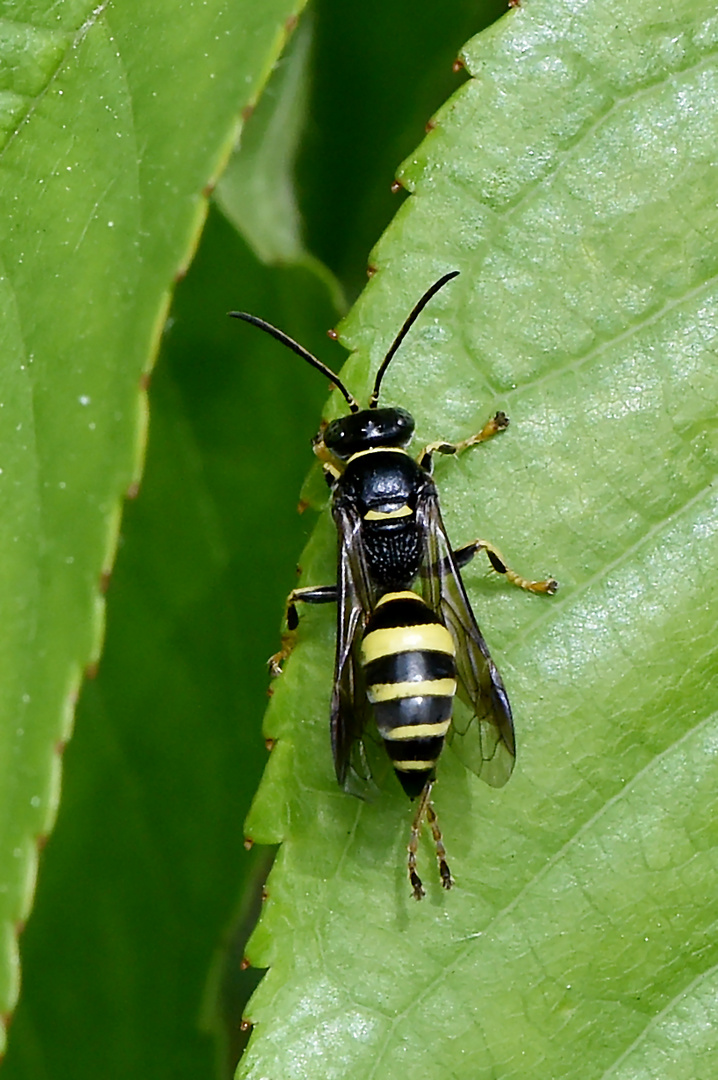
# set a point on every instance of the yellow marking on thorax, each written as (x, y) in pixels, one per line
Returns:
(432, 637)
(426, 688)
(383, 515)
(418, 731)
(377, 450)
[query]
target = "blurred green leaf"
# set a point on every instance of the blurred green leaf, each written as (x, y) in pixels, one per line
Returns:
(257, 190)
(572, 183)
(379, 73)
(115, 120)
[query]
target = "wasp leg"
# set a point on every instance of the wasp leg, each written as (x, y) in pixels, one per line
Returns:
(465, 554)
(421, 811)
(446, 879)
(321, 594)
(492, 427)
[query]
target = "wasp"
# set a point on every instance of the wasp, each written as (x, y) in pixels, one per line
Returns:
(408, 644)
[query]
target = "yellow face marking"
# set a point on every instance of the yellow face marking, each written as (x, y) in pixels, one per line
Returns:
(326, 456)
(397, 690)
(413, 766)
(378, 450)
(397, 639)
(418, 731)
(381, 515)
(405, 595)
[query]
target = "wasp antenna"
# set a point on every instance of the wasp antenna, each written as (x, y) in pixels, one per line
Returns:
(405, 330)
(290, 343)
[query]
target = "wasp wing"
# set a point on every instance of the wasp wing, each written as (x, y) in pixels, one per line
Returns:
(483, 741)
(350, 710)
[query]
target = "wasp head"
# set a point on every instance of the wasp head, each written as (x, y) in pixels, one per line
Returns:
(368, 429)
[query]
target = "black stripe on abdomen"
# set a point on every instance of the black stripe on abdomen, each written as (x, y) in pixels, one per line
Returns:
(393, 718)
(402, 609)
(415, 666)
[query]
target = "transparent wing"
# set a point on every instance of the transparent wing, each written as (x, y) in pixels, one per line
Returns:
(483, 735)
(350, 711)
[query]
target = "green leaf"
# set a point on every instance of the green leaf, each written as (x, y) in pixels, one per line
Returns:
(572, 183)
(116, 117)
(256, 191)
(141, 876)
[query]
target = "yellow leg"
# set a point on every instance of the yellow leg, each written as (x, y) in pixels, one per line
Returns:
(426, 810)
(446, 879)
(464, 554)
(275, 662)
(492, 427)
(416, 885)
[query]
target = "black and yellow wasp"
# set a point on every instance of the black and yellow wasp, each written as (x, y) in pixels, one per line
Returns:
(407, 640)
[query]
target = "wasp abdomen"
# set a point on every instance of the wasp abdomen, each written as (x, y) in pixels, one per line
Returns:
(408, 661)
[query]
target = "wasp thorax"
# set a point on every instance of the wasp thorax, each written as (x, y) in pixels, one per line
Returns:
(367, 429)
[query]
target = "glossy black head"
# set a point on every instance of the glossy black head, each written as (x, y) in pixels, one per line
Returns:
(369, 428)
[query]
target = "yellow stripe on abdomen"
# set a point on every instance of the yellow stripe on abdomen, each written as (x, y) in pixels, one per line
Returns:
(425, 688)
(417, 731)
(432, 637)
